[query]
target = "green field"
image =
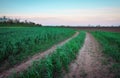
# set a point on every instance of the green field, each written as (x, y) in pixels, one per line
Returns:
(19, 43)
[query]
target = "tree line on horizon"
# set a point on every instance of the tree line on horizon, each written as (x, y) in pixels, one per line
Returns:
(5, 21)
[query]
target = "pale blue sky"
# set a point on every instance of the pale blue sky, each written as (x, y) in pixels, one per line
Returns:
(64, 12)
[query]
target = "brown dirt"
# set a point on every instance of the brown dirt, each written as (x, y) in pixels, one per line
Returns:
(28, 63)
(110, 29)
(89, 62)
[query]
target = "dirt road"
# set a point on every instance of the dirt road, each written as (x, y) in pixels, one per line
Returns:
(28, 63)
(89, 62)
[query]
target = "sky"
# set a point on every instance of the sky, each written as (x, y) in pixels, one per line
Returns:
(63, 12)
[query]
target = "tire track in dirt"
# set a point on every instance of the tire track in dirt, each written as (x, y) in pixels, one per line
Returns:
(28, 63)
(88, 63)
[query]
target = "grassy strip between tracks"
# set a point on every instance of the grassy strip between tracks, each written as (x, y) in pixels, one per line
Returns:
(53, 65)
(110, 42)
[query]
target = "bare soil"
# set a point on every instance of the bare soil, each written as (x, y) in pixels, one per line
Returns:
(27, 63)
(110, 29)
(89, 62)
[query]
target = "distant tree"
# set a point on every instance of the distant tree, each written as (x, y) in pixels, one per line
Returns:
(4, 17)
(17, 21)
(32, 23)
(10, 21)
(40, 24)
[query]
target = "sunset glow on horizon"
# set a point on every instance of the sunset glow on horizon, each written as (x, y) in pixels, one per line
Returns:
(63, 12)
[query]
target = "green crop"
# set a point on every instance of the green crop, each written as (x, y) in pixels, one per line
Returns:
(16, 44)
(110, 42)
(53, 65)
